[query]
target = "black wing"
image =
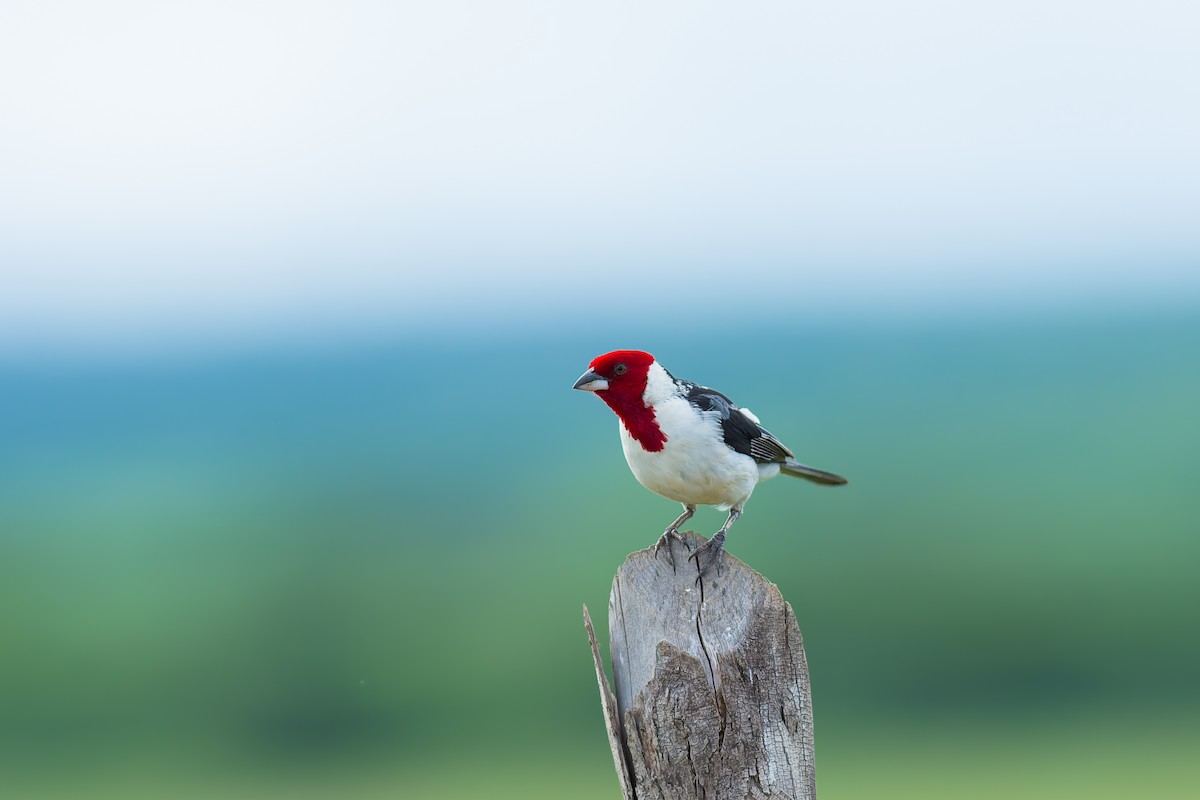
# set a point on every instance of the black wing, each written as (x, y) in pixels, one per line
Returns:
(741, 432)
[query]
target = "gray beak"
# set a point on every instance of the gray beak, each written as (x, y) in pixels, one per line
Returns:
(591, 382)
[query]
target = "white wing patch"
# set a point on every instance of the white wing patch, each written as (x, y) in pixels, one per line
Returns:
(748, 414)
(768, 448)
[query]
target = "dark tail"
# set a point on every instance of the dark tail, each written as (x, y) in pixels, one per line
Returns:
(813, 474)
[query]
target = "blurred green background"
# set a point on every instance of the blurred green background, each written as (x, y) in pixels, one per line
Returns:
(357, 571)
(296, 500)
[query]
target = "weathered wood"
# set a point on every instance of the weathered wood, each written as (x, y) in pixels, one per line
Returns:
(612, 718)
(712, 697)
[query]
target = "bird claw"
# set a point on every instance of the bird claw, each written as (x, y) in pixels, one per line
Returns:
(709, 555)
(664, 541)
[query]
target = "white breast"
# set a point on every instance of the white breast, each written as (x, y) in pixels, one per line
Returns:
(695, 465)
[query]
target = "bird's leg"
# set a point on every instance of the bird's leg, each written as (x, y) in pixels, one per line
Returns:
(709, 554)
(672, 532)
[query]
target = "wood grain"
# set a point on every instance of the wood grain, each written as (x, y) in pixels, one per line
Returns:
(712, 696)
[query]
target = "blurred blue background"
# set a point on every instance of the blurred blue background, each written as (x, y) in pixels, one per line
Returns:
(295, 499)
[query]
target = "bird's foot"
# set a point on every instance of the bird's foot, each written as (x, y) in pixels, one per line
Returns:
(664, 541)
(708, 555)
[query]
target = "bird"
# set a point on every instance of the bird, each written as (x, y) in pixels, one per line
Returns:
(690, 444)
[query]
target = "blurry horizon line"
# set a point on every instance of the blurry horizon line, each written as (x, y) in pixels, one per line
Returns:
(331, 331)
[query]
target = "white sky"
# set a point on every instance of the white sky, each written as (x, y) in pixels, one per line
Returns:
(179, 169)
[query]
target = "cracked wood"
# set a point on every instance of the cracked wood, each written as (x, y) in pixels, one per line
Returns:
(712, 696)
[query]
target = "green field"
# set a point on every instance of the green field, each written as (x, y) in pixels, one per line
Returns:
(358, 572)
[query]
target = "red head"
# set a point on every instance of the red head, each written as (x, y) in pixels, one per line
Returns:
(619, 379)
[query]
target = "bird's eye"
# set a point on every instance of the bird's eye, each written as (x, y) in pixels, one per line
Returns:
(620, 369)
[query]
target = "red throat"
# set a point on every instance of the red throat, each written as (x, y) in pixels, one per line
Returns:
(624, 395)
(638, 419)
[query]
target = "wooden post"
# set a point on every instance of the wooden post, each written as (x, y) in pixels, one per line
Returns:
(712, 697)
